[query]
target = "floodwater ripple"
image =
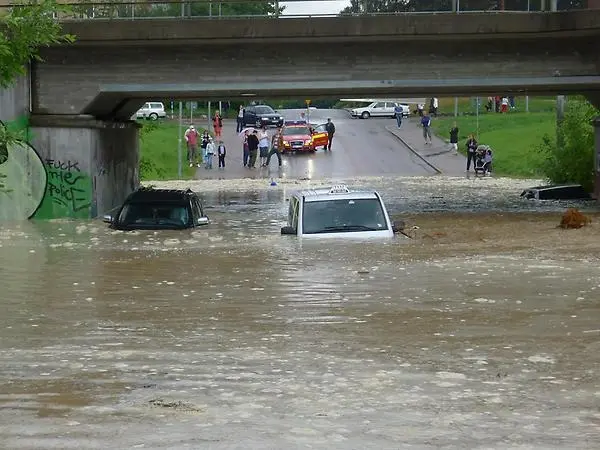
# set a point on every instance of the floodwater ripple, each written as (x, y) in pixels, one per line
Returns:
(480, 332)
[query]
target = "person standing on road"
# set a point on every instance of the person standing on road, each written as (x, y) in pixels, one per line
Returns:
(471, 148)
(276, 147)
(240, 120)
(398, 111)
(253, 149)
(203, 144)
(454, 138)
(263, 146)
(208, 155)
(221, 152)
(426, 124)
(217, 124)
(191, 139)
(330, 128)
(246, 148)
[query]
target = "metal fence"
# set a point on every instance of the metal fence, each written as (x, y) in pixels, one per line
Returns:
(149, 9)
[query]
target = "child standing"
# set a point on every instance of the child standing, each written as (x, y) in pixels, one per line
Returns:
(210, 151)
(221, 152)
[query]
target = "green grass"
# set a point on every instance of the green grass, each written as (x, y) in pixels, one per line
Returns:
(158, 152)
(466, 105)
(513, 137)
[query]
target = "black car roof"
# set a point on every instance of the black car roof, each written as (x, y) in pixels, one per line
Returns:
(149, 195)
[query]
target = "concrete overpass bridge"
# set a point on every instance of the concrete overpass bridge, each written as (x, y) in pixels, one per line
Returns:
(82, 95)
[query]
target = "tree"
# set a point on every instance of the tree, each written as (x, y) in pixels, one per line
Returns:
(573, 160)
(395, 6)
(203, 8)
(24, 30)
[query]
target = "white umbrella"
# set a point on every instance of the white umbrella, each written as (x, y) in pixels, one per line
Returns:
(249, 129)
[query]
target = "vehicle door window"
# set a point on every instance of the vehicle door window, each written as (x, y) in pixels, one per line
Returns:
(293, 213)
(379, 105)
(196, 211)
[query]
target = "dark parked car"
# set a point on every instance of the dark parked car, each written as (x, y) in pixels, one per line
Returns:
(261, 115)
(158, 209)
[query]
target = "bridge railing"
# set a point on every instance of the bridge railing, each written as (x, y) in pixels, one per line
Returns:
(161, 9)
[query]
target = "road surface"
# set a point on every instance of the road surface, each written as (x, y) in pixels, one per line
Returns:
(360, 148)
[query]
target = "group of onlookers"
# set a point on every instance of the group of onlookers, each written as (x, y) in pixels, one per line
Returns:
(207, 147)
(258, 144)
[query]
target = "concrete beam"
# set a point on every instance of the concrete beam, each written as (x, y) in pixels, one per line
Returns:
(402, 27)
(310, 69)
(121, 101)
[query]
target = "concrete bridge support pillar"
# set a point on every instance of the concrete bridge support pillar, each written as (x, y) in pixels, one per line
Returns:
(91, 165)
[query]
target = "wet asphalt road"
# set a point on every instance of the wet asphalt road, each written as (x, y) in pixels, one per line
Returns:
(360, 148)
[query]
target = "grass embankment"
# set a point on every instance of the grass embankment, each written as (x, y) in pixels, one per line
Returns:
(514, 137)
(158, 152)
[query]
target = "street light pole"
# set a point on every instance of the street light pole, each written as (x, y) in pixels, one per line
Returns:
(180, 143)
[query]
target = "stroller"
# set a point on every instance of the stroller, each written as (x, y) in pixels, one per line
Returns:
(483, 160)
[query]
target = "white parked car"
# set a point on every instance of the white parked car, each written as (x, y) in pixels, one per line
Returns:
(379, 109)
(152, 111)
(338, 212)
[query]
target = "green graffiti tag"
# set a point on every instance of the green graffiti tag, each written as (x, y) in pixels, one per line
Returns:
(68, 191)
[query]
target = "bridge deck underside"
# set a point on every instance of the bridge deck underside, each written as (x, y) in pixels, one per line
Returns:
(111, 81)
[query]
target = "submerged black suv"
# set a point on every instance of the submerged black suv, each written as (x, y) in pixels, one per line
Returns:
(159, 209)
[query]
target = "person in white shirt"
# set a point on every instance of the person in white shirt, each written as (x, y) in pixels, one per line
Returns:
(240, 119)
(263, 146)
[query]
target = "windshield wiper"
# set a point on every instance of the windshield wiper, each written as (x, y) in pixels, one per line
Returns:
(348, 228)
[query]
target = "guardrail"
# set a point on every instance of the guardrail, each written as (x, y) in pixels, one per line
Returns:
(243, 9)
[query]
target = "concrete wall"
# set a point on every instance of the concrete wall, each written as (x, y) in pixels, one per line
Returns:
(71, 77)
(92, 166)
(320, 30)
(14, 101)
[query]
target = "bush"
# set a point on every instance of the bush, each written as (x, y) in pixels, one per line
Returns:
(573, 160)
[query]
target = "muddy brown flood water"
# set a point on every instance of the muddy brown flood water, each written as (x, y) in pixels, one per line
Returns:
(481, 332)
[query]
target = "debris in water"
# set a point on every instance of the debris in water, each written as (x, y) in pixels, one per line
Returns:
(176, 405)
(572, 218)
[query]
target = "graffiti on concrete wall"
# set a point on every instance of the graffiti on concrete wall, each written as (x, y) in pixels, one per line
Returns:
(22, 181)
(68, 191)
(43, 189)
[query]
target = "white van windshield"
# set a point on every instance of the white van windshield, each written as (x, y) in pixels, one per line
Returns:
(343, 215)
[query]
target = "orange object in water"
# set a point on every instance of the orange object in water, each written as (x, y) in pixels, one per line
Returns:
(572, 218)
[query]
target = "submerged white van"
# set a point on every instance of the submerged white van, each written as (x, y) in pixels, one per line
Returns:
(338, 212)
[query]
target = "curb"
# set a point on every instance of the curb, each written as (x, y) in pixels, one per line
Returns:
(416, 153)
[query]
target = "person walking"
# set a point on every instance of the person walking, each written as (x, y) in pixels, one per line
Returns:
(191, 138)
(253, 149)
(454, 138)
(276, 147)
(221, 152)
(246, 148)
(426, 124)
(398, 111)
(263, 146)
(330, 128)
(240, 120)
(203, 144)
(217, 124)
(210, 151)
(471, 149)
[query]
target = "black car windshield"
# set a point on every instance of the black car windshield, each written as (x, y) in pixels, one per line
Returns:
(264, 110)
(343, 215)
(288, 131)
(154, 215)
